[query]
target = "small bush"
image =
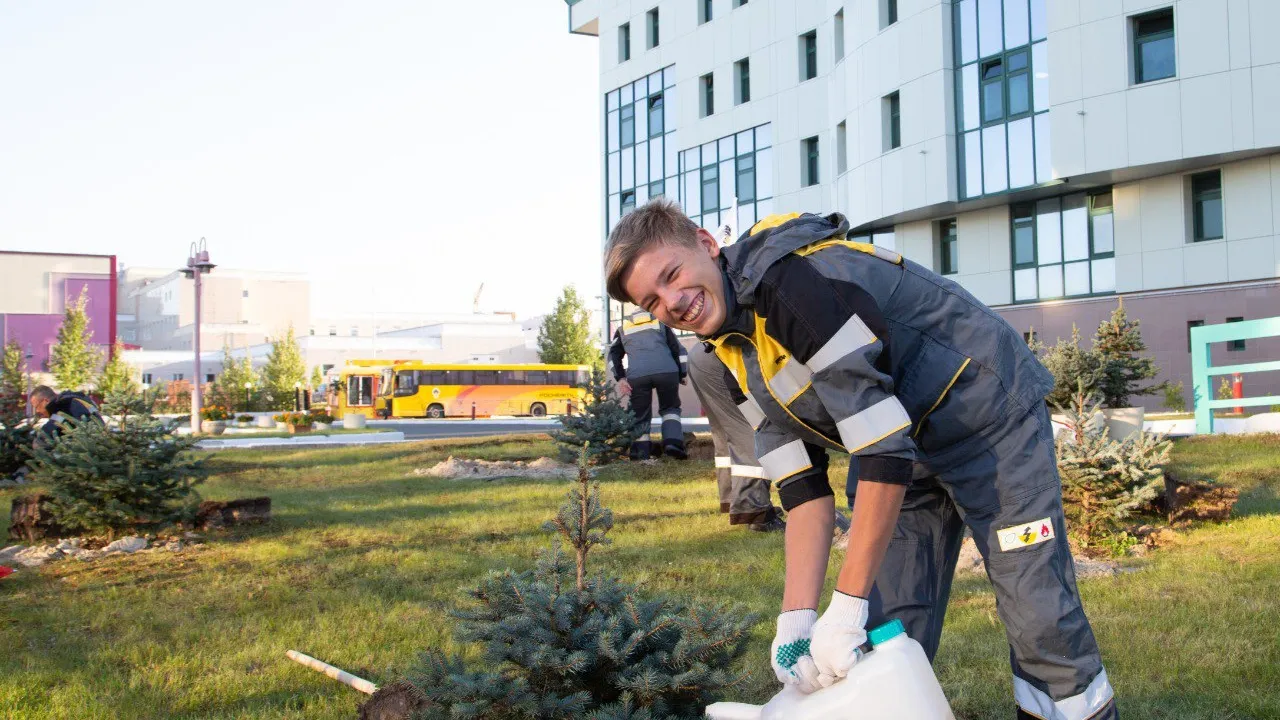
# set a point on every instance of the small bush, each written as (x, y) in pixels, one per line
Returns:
(1174, 399)
(215, 413)
(604, 425)
(244, 418)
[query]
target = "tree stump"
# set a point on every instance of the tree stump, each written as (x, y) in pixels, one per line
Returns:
(30, 519)
(217, 513)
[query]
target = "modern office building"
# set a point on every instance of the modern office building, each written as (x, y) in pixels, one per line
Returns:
(1048, 155)
(35, 289)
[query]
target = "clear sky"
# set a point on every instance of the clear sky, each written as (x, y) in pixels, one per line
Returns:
(401, 152)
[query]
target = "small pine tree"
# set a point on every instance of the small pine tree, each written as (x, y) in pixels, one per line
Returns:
(1175, 397)
(136, 475)
(1070, 366)
(285, 368)
(73, 360)
(118, 376)
(15, 433)
(1104, 481)
(587, 648)
(604, 425)
(317, 378)
(229, 385)
(1118, 343)
(565, 335)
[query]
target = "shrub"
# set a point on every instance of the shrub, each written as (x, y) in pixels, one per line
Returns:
(15, 431)
(244, 418)
(321, 416)
(1104, 481)
(560, 643)
(1118, 344)
(1071, 366)
(604, 425)
(1174, 399)
(296, 419)
(139, 474)
(214, 412)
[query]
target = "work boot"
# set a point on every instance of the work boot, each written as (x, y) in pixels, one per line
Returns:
(773, 524)
(676, 451)
(842, 522)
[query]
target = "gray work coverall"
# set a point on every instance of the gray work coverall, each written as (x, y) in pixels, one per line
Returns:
(742, 486)
(648, 355)
(839, 345)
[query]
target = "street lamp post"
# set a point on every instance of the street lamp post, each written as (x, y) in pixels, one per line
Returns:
(247, 402)
(197, 265)
(297, 397)
(29, 357)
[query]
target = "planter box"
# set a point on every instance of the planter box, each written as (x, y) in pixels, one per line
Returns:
(321, 426)
(213, 427)
(297, 429)
(353, 421)
(265, 421)
(1123, 422)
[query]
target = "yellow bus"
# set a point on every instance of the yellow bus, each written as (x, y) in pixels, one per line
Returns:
(414, 389)
(356, 388)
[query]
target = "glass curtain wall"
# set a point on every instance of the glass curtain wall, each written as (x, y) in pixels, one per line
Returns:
(712, 175)
(640, 144)
(1063, 247)
(1002, 95)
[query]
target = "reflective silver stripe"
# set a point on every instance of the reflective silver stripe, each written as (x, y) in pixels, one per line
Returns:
(1077, 707)
(785, 461)
(873, 424)
(684, 359)
(851, 336)
(670, 416)
(747, 471)
(723, 461)
(752, 412)
(886, 254)
(790, 381)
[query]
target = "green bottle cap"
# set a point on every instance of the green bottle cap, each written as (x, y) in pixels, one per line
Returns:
(886, 632)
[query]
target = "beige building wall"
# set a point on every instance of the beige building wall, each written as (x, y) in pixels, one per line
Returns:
(27, 277)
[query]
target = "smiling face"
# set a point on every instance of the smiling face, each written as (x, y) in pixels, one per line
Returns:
(680, 285)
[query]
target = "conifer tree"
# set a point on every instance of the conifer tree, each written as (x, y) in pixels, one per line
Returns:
(559, 642)
(136, 475)
(118, 376)
(565, 335)
(73, 360)
(1105, 481)
(15, 433)
(317, 377)
(604, 425)
(285, 368)
(1118, 343)
(1070, 365)
(229, 385)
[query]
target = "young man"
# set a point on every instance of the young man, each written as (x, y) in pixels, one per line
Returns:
(839, 345)
(60, 408)
(646, 357)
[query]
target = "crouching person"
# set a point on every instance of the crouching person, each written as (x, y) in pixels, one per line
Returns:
(61, 410)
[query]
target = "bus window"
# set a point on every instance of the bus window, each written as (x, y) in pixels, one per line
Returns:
(464, 377)
(406, 383)
(359, 390)
(486, 377)
(432, 377)
(511, 377)
(584, 378)
(536, 377)
(561, 377)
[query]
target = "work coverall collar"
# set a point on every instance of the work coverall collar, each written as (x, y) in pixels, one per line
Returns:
(746, 261)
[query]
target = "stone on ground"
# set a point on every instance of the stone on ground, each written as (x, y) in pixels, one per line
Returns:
(126, 545)
(463, 468)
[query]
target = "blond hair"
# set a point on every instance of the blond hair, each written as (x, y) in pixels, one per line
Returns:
(658, 222)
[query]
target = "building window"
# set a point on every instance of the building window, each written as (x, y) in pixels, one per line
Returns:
(888, 13)
(948, 248)
(892, 122)
(244, 293)
(178, 376)
(714, 174)
(146, 379)
(842, 148)
(624, 42)
(1063, 247)
(1006, 88)
(742, 69)
(640, 161)
(1235, 345)
(1206, 205)
(704, 11)
(708, 83)
(838, 36)
(739, 3)
(208, 377)
(312, 331)
(333, 331)
(1192, 324)
(809, 161)
(355, 331)
(1153, 46)
(653, 28)
(809, 55)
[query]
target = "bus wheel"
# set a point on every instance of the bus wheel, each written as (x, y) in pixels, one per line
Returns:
(538, 410)
(436, 410)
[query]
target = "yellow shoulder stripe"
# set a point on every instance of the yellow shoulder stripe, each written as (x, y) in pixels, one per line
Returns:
(773, 221)
(868, 248)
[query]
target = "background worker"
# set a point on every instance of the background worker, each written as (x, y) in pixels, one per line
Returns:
(646, 357)
(62, 410)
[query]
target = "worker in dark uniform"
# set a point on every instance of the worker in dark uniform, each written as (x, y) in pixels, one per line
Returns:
(62, 410)
(646, 357)
(742, 486)
(841, 345)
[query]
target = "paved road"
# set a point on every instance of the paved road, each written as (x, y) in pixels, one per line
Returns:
(426, 429)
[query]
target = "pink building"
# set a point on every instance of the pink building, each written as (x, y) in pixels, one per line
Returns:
(35, 288)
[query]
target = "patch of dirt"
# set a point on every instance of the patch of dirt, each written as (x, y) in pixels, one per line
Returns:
(397, 701)
(1189, 501)
(467, 469)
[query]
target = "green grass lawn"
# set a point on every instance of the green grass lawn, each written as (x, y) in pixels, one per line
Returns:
(362, 562)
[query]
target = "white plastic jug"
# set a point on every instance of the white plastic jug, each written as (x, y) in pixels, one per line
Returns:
(893, 681)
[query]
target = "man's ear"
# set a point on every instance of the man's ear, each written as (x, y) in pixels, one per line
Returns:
(708, 242)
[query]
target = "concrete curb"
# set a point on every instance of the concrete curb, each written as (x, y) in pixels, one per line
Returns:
(380, 438)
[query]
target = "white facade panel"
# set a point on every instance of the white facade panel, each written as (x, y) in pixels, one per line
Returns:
(1252, 259)
(1205, 263)
(1155, 124)
(1264, 18)
(1103, 55)
(1206, 115)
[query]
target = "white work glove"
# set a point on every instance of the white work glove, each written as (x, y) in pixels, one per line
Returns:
(790, 656)
(837, 635)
